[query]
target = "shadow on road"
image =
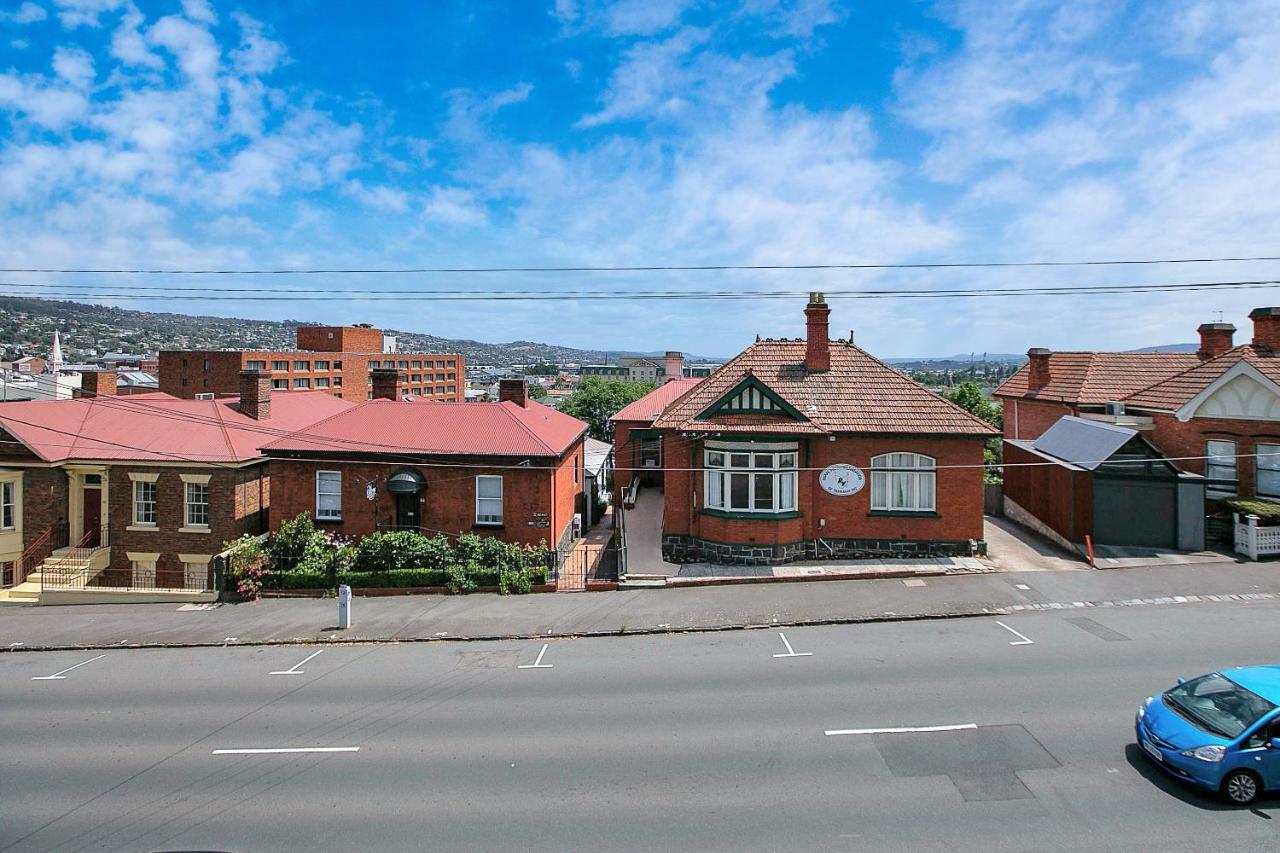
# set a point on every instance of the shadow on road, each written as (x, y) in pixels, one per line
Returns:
(1147, 769)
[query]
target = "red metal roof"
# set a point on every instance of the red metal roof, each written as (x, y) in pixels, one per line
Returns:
(430, 427)
(858, 394)
(651, 405)
(158, 427)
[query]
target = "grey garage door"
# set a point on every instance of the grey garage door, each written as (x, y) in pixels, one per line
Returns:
(1135, 512)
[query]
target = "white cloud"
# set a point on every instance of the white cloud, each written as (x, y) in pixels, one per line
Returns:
(74, 66)
(128, 44)
(49, 106)
(257, 54)
(454, 206)
(86, 13)
(194, 47)
(27, 13)
(199, 10)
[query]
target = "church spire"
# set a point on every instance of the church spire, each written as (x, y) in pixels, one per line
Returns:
(55, 355)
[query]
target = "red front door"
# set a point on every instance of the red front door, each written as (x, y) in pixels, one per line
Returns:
(92, 515)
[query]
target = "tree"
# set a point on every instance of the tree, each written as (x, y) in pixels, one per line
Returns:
(542, 368)
(597, 400)
(969, 397)
(536, 391)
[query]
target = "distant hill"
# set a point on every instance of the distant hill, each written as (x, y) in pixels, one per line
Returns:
(940, 362)
(26, 326)
(1169, 348)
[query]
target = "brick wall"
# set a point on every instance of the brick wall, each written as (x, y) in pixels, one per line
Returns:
(339, 339)
(530, 513)
(958, 491)
(1028, 419)
(1059, 498)
(44, 502)
(1182, 439)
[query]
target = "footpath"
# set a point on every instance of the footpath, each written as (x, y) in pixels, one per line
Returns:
(25, 627)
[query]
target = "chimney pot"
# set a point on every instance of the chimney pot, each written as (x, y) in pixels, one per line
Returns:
(255, 394)
(386, 383)
(817, 313)
(1038, 368)
(513, 390)
(1215, 339)
(673, 365)
(1266, 328)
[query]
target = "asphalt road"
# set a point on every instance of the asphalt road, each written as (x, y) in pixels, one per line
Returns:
(682, 742)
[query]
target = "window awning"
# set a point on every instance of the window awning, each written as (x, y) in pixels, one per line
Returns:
(406, 481)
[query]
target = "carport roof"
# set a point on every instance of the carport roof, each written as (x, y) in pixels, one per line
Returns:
(1081, 442)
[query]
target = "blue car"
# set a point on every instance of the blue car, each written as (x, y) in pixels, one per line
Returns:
(1219, 732)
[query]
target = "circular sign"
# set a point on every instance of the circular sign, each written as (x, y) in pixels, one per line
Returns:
(371, 491)
(842, 479)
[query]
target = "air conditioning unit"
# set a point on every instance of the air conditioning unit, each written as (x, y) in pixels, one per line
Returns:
(204, 396)
(577, 525)
(1115, 407)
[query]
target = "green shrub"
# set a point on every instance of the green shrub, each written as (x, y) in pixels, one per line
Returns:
(393, 578)
(287, 546)
(298, 580)
(1267, 512)
(461, 577)
(402, 549)
(515, 579)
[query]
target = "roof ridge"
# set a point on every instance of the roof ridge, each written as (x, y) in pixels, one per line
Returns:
(970, 415)
(222, 427)
(515, 419)
(1239, 351)
(315, 424)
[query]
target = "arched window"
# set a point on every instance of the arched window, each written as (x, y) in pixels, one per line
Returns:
(903, 482)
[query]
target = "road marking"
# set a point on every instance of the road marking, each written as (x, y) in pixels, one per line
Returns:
(293, 670)
(61, 676)
(791, 653)
(903, 730)
(1022, 640)
(1021, 586)
(286, 750)
(538, 664)
(913, 582)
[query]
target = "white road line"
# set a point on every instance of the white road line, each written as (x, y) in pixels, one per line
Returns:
(904, 730)
(286, 750)
(1022, 640)
(293, 670)
(538, 664)
(791, 653)
(61, 676)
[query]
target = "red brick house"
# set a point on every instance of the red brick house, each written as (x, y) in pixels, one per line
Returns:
(1215, 412)
(511, 469)
(810, 448)
(146, 488)
(637, 446)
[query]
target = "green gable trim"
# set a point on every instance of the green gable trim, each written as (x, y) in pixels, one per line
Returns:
(751, 397)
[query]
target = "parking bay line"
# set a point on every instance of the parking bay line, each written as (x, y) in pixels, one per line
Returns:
(293, 670)
(61, 676)
(791, 653)
(903, 730)
(538, 664)
(287, 750)
(1022, 640)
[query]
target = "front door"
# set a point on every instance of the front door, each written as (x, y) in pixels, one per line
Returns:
(92, 515)
(407, 512)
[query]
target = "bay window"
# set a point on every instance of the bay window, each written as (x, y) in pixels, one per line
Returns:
(1268, 471)
(755, 478)
(903, 482)
(1220, 468)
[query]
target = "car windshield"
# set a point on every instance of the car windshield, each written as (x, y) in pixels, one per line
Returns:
(1217, 704)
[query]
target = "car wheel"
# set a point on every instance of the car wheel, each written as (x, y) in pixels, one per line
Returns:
(1241, 787)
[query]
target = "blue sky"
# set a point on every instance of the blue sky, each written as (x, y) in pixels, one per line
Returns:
(206, 134)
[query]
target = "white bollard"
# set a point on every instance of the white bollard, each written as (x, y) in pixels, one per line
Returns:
(344, 607)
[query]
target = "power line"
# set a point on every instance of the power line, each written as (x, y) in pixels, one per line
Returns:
(656, 267)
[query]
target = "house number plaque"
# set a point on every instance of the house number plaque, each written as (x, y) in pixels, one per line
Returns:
(842, 479)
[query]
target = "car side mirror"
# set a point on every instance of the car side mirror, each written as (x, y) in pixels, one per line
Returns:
(1274, 743)
(1182, 681)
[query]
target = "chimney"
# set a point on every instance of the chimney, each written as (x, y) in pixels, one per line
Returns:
(817, 356)
(515, 390)
(673, 365)
(386, 383)
(1266, 328)
(255, 394)
(97, 383)
(1215, 339)
(1038, 368)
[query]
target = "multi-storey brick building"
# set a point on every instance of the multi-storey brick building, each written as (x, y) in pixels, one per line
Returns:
(806, 448)
(333, 359)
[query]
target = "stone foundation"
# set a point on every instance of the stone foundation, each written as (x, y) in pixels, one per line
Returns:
(689, 549)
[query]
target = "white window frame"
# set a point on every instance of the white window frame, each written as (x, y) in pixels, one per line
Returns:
(1268, 462)
(723, 461)
(139, 502)
(1214, 470)
(903, 481)
(8, 505)
(489, 519)
(189, 505)
(325, 515)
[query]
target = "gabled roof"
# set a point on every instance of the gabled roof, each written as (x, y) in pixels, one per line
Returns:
(1081, 442)
(1179, 389)
(1093, 378)
(651, 405)
(158, 427)
(858, 394)
(429, 427)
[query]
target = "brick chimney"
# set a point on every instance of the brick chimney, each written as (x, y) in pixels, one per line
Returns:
(386, 383)
(255, 394)
(97, 383)
(1266, 328)
(1037, 368)
(817, 355)
(515, 390)
(1215, 339)
(673, 365)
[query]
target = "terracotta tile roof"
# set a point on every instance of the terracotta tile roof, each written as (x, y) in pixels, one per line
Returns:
(1176, 391)
(651, 405)
(158, 427)
(1099, 377)
(429, 427)
(858, 394)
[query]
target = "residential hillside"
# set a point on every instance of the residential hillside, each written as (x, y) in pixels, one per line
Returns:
(26, 326)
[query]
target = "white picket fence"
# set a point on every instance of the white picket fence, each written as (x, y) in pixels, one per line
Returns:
(1254, 541)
